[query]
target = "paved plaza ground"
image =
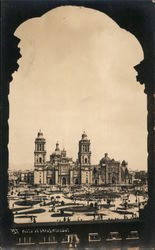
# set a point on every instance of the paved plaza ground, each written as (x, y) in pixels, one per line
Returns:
(31, 205)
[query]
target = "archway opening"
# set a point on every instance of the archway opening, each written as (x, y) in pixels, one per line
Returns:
(101, 57)
(86, 161)
(79, 104)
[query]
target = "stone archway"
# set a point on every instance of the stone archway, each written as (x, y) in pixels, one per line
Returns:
(86, 160)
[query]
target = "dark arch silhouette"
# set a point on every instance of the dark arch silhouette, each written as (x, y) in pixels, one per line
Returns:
(136, 17)
(86, 160)
(40, 160)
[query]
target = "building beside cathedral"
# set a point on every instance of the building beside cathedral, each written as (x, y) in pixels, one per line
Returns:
(62, 170)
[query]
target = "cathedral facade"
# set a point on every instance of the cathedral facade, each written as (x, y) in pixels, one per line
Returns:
(62, 170)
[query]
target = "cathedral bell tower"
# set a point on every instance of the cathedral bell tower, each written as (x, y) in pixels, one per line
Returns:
(39, 159)
(84, 159)
(84, 154)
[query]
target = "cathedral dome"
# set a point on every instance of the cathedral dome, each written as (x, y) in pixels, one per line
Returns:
(57, 150)
(105, 159)
(124, 163)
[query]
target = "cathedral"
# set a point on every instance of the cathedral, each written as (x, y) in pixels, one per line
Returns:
(62, 170)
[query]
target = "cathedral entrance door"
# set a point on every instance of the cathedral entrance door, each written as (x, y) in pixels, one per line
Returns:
(51, 182)
(113, 180)
(63, 181)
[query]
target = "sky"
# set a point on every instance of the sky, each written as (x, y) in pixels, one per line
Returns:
(76, 73)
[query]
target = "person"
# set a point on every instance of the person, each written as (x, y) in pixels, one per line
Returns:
(74, 241)
(64, 219)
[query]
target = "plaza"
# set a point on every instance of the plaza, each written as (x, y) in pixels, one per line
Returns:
(51, 204)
